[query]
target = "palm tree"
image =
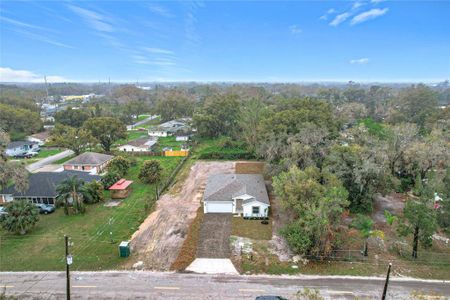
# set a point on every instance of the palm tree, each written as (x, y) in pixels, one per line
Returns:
(364, 224)
(73, 189)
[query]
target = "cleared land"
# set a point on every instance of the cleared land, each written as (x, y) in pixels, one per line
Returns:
(160, 237)
(43, 248)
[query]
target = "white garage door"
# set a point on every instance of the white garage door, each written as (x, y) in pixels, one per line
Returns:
(216, 207)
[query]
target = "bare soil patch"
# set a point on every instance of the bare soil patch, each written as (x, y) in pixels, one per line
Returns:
(252, 167)
(158, 240)
(189, 248)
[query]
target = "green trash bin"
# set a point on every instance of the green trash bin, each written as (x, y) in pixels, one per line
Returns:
(124, 249)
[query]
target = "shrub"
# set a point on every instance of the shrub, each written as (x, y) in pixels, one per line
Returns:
(119, 165)
(95, 189)
(21, 216)
(109, 179)
(150, 171)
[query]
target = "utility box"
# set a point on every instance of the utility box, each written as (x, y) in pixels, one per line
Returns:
(124, 249)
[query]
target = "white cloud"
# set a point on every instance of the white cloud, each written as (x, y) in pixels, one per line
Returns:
(295, 29)
(11, 75)
(157, 9)
(159, 51)
(95, 20)
(368, 15)
(360, 61)
(340, 18)
(328, 12)
(42, 38)
(21, 24)
(357, 4)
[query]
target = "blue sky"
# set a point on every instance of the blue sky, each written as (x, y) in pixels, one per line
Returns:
(250, 41)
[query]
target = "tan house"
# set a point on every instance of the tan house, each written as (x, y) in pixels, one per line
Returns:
(94, 163)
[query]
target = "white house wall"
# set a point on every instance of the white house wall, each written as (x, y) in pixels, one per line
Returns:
(247, 209)
(130, 148)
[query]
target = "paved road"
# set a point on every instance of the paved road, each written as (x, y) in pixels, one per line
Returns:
(48, 160)
(155, 285)
(142, 122)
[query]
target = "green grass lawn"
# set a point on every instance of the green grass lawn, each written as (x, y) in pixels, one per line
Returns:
(42, 249)
(132, 135)
(170, 142)
(63, 160)
(42, 154)
(214, 149)
(252, 229)
(142, 117)
(48, 152)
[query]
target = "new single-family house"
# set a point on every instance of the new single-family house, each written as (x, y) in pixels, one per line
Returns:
(42, 186)
(139, 145)
(168, 128)
(94, 163)
(21, 147)
(243, 194)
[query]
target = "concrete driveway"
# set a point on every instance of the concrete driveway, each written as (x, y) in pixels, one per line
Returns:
(48, 160)
(214, 241)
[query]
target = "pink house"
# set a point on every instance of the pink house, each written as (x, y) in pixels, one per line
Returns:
(94, 163)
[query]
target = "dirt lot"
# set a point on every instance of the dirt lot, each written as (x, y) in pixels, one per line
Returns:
(160, 237)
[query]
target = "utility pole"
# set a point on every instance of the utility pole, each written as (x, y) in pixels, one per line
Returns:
(68, 263)
(383, 297)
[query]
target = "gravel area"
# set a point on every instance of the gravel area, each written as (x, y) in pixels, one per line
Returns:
(214, 241)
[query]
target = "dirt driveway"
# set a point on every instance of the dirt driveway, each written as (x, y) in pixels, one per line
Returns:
(214, 236)
(160, 237)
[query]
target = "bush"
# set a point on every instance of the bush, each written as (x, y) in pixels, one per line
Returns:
(119, 165)
(21, 216)
(150, 171)
(95, 189)
(227, 155)
(109, 179)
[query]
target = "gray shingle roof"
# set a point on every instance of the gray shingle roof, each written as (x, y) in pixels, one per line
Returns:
(224, 187)
(89, 158)
(43, 184)
(144, 142)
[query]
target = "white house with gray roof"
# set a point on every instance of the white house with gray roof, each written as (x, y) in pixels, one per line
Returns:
(243, 194)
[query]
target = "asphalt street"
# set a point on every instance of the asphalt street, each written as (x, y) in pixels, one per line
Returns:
(156, 285)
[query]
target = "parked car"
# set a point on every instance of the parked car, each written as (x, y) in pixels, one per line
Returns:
(45, 208)
(270, 298)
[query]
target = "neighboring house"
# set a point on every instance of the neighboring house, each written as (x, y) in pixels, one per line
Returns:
(243, 194)
(21, 147)
(92, 162)
(139, 145)
(168, 128)
(182, 138)
(41, 137)
(42, 186)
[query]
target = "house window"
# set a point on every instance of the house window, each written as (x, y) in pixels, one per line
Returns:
(255, 210)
